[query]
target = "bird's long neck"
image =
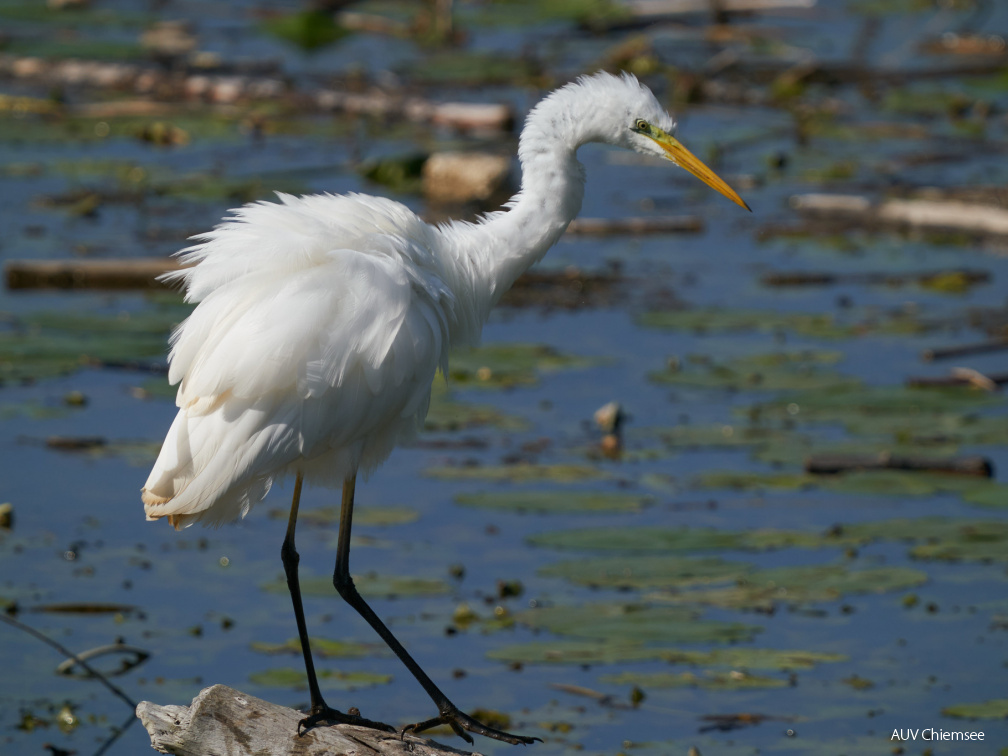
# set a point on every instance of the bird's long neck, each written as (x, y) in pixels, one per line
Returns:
(491, 254)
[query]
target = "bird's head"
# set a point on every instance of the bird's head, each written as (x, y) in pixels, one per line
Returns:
(626, 113)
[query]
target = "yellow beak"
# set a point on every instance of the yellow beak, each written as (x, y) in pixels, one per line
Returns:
(682, 157)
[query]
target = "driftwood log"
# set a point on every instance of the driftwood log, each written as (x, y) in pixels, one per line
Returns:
(227, 722)
(834, 464)
(138, 273)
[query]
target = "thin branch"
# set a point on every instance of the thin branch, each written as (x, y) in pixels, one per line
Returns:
(71, 655)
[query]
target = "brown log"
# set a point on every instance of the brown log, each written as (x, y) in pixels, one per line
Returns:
(961, 377)
(833, 464)
(961, 350)
(820, 278)
(221, 720)
(684, 224)
(89, 274)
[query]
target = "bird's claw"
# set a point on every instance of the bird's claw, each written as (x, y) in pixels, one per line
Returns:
(461, 722)
(323, 715)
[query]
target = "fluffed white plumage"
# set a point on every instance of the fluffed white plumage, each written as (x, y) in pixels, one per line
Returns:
(322, 320)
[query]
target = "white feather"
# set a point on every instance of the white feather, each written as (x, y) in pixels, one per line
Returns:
(322, 320)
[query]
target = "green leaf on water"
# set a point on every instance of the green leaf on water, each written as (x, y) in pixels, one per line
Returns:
(447, 414)
(673, 540)
(776, 371)
(746, 657)
(310, 29)
(989, 494)
(895, 411)
(556, 501)
(725, 436)
(519, 473)
(530, 12)
(822, 326)
(569, 651)
(755, 481)
(465, 68)
(996, 708)
(763, 589)
(708, 681)
(508, 365)
(648, 571)
(875, 482)
(576, 651)
(323, 647)
(369, 515)
(400, 174)
(47, 344)
(637, 623)
(288, 677)
(979, 542)
(370, 585)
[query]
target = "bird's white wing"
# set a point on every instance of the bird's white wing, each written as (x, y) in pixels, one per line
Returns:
(323, 351)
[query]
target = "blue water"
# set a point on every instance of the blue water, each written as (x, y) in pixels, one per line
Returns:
(196, 598)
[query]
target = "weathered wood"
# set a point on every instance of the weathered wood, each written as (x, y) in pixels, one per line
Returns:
(221, 720)
(832, 464)
(918, 214)
(650, 8)
(224, 85)
(139, 273)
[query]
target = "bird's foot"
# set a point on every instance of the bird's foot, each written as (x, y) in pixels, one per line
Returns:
(461, 722)
(322, 715)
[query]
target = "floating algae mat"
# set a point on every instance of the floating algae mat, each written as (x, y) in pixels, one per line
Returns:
(775, 371)
(928, 532)
(647, 571)
(329, 516)
(47, 344)
(508, 365)
(875, 482)
(673, 540)
(883, 410)
(793, 586)
(708, 680)
(289, 677)
(810, 325)
(610, 651)
(635, 623)
(370, 585)
(520, 473)
(324, 647)
(446, 414)
(556, 501)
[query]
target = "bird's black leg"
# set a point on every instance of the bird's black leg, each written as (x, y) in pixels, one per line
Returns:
(448, 713)
(320, 712)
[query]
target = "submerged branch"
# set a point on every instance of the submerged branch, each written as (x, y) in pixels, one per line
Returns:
(115, 690)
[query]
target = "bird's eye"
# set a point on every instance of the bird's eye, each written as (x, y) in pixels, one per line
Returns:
(641, 125)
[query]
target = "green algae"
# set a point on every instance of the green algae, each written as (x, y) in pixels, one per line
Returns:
(288, 677)
(556, 501)
(635, 623)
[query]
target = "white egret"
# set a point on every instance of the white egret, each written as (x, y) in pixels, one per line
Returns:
(323, 319)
